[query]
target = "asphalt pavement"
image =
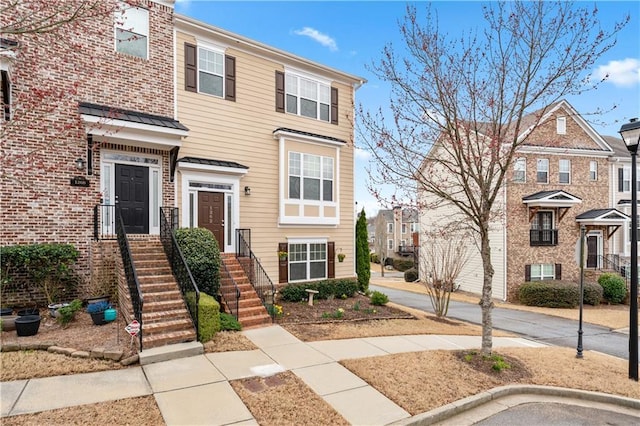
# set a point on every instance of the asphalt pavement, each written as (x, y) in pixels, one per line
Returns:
(539, 327)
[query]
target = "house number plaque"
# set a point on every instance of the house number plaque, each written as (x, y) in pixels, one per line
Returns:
(79, 181)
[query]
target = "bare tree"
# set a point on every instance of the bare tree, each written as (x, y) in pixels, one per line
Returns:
(442, 259)
(461, 107)
(381, 241)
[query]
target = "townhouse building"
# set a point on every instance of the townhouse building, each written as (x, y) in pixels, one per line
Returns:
(397, 230)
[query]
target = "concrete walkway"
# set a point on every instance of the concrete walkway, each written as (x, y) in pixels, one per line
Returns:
(182, 386)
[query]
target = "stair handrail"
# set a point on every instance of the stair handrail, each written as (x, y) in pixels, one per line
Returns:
(253, 269)
(179, 267)
(137, 300)
(237, 292)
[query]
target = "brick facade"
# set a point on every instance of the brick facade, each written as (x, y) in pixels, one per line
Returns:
(45, 136)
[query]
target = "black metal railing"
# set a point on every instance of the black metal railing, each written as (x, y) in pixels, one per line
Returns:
(406, 249)
(104, 222)
(230, 292)
(137, 301)
(543, 237)
(258, 277)
(179, 268)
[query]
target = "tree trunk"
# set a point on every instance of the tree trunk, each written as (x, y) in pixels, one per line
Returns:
(382, 262)
(486, 303)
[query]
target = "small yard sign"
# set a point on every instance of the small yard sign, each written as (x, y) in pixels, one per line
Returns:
(133, 328)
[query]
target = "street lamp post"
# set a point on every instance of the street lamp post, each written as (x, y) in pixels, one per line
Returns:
(630, 133)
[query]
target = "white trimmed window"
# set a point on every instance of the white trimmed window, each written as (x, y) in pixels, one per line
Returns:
(310, 177)
(132, 31)
(390, 244)
(307, 97)
(561, 125)
(210, 72)
(389, 227)
(564, 171)
(520, 170)
(593, 170)
(404, 228)
(542, 171)
(543, 271)
(307, 261)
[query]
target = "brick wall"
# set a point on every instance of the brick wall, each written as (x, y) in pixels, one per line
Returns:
(51, 74)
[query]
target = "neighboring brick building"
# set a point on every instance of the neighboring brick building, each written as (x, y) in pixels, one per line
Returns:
(559, 180)
(397, 231)
(89, 118)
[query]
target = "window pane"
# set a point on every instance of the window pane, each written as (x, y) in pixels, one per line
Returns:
(308, 89)
(294, 187)
(535, 271)
(327, 190)
(131, 43)
(312, 166)
(297, 271)
(211, 84)
(291, 84)
(547, 270)
(311, 189)
(324, 112)
(325, 94)
(308, 108)
(209, 61)
(294, 163)
(317, 270)
(292, 104)
(317, 251)
(297, 252)
(327, 168)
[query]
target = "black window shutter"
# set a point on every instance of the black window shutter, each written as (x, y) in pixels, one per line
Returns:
(558, 271)
(230, 78)
(190, 68)
(620, 180)
(279, 91)
(331, 259)
(334, 105)
(527, 272)
(283, 264)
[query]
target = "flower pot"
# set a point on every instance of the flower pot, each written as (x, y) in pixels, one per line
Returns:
(28, 312)
(98, 318)
(6, 311)
(9, 322)
(97, 299)
(27, 325)
(53, 309)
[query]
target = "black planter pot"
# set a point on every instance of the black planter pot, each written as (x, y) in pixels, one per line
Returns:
(28, 311)
(27, 325)
(98, 318)
(97, 299)
(6, 311)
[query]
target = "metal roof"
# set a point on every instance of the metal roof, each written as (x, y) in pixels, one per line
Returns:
(212, 162)
(112, 113)
(313, 135)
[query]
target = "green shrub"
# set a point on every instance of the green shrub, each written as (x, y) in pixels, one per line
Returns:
(68, 313)
(325, 289)
(550, 294)
(373, 257)
(402, 264)
(202, 254)
(229, 323)
(410, 275)
(378, 298)
(614, 287)
(208, 315)
(592, 293)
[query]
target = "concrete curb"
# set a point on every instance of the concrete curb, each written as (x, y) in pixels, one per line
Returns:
(458, 407)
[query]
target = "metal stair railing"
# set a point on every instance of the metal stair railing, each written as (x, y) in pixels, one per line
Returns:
(252, 267)
(179, 268)
(227, 296)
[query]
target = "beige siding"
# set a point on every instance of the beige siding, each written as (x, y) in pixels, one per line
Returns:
(242, 132)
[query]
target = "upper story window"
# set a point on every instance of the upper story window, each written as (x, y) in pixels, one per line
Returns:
(390, 244)
(593, 170)
(561, 125)
(132, 31)
(306, 96)
(310, 177)
(520, 170)
(542, 173)
(413, 227)
(208, 70)
(564, 171)
(6, 94)
(542, 232)
(404, 228)
(389, 228)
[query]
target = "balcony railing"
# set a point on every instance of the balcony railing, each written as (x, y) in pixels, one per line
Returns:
(406, 249)
(543, 237)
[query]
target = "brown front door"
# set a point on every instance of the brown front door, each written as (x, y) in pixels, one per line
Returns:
(211, 214)
(592, 251)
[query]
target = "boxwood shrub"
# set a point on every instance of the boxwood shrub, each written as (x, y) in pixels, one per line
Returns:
(332, 287)
(202, 254)
(208, 315)
(410, 275)
(592, 293)
(550, 294)
(614, 287)
(402, 264)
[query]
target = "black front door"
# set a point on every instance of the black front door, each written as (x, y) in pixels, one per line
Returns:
(592, 251)
(132, 196)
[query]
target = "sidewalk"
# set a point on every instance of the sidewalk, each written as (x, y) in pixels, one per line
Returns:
(181, 386)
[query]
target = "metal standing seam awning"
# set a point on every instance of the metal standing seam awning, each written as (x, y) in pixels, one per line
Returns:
(611, 218)
(558, 199)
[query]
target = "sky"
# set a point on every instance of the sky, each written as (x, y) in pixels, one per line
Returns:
(350, 36)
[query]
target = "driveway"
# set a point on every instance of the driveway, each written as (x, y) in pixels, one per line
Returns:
(543, 328)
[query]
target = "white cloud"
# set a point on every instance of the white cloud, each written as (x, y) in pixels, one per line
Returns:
(624, 73)
(362, 154)
(316, 35)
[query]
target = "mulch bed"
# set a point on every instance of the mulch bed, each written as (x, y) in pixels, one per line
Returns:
(357, 308)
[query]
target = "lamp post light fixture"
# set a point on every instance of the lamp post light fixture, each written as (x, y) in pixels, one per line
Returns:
(630, 133)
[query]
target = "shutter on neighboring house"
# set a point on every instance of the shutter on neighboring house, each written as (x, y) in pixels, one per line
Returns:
(279, 91)
(527, 272)
(620, 180)
(334, 105)
(331, 259)
(558, 271)
(190, 68)
(230, 78)
(283, 264)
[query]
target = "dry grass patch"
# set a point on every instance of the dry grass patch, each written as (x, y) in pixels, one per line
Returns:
(226, 341)
(285, 399)
(133, 411)
(33, 364)
(422, 381)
